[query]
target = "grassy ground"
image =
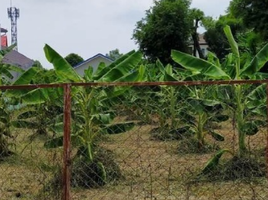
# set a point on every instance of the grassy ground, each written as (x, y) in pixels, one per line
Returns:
(152, 170)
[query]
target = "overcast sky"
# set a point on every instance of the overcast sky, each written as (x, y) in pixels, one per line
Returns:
(85, 27)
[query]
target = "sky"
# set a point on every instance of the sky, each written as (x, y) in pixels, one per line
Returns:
(84, 27)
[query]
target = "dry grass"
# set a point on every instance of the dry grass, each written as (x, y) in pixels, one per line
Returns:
(151, 170)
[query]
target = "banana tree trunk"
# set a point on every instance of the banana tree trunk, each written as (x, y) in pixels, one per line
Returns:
(240, 122)
(200, 132)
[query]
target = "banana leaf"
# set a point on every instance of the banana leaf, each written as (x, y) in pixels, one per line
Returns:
(256, 63)
(123, 68)
(214, 161)
(101, 71)
(101, 118)
(234, 48)
(27, 114)
(198, 66)
(135, 76)
(216, 136)
(24, 79)
(25, 124)
(250, 128)
(63, 69)
(57, 128)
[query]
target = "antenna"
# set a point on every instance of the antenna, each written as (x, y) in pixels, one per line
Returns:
(13, 14)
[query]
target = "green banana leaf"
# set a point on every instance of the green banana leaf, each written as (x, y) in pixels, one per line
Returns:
(136, 76)
(216, 136)
(258, 93)
(234, 48)
(214, 161)
(27, 114)
(57, 128)
(198, 66)
(101, 118)
(256, 63)
(88, 74)
(63, 69)
(101, 71)
(250, 128)
(168, 74)
(25, 124)
(122, 69)
(24, 79)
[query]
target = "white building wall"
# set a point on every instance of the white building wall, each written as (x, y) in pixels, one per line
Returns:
(93, 63)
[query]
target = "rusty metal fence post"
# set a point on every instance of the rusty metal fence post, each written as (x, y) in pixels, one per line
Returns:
(266, 150)
(66, 143)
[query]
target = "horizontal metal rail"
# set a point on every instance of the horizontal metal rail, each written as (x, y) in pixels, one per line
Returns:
(103, 84)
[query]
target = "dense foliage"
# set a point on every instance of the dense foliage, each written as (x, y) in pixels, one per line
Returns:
(166, 26)
(74, 59)
(253, 14)
(114, 54)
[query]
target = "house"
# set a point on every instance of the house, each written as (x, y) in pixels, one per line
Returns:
(203, 45)
(93, 62)
(3, 39)
(17, 59)
(14, 57)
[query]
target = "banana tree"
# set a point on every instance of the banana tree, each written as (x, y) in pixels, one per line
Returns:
(91, 113)
(5, 103)
(234, 68)
(41, 116)
(200, 111)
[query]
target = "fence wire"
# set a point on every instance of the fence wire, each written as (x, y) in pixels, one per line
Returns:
(29, 167)
(142, 142)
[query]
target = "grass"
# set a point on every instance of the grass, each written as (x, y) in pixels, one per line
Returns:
(151, 169)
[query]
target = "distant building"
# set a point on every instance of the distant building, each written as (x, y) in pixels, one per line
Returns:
(203, 45)
(4, 42)
(93, 62)
(14, 57)
(19, 60)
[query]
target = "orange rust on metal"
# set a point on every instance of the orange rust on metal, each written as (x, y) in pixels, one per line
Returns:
(267, 132)
(171, 83)
(67, 143)
(29, 87)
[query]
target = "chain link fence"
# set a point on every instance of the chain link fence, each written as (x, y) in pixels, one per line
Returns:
(173, 140)
(27, 165)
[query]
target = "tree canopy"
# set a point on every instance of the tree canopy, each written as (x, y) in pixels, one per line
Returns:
(73, 59)
(215, 36)
(114, 54)
(253, 14)
(167, 25)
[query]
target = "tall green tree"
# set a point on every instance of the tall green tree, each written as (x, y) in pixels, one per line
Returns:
(73, 59)
(114, 54)
(253, 14)
(215, 36)
(167, 25)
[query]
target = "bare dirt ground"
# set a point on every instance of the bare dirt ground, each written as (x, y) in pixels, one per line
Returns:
(152, 170)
